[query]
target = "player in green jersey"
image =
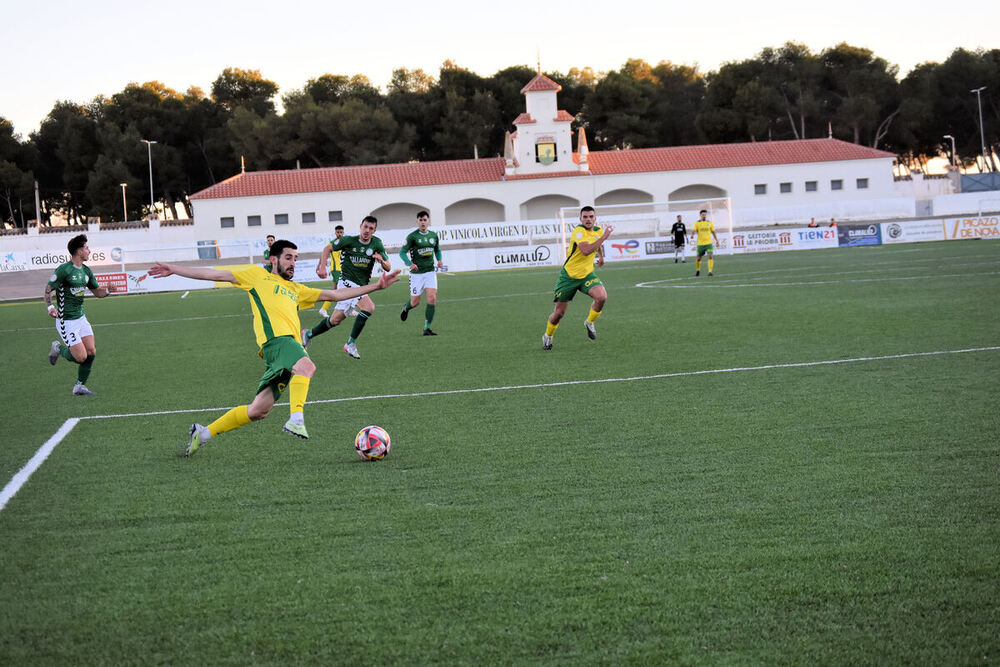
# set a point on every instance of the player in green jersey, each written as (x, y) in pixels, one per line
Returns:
(267, 251)
(275, 300)
(68, 283)
(418, 252)
(358, 255)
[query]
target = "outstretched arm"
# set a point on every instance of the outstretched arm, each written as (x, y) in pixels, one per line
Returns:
(343, 293)
(161, 270)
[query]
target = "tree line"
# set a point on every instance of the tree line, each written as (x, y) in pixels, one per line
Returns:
(81, 153)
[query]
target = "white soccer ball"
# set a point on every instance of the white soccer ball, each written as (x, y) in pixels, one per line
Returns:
(372, 443)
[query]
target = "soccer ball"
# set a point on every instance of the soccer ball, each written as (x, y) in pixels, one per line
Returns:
(372, 443)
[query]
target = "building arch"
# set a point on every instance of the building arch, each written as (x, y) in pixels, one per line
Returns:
(625, 198)
(694, 196)
(399, 215)
(546, 207)
(473, 210)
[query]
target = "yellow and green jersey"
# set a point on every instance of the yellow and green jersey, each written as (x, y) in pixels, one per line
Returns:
(275, 302)
(335, 260)
(704, 228)
(70, 283)
(578, 265)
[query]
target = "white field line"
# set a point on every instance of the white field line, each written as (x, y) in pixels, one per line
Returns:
(705, 285)
(22, 475)
(43, 452)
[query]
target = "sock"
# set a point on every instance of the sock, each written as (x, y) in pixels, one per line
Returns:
(407, 307)
(550, 329)
(65, 353)
(594, 314)
(428, 316)
(83, 372)
(298, 388)
(697, 264)
(359, 324)
(233, 419)
(326, 305)
(711, 263)
(323, 326)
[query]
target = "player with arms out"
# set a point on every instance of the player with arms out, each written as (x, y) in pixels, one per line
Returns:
(338, 232)
(358, 256)
(275, 301)
(679, 230)
(577, 274)
(69, 282)
(706, 232)
(419, 252)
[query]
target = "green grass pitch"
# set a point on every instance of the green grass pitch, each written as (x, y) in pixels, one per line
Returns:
(607, 502)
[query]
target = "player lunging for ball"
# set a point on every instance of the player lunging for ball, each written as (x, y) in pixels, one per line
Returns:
(275, 301)
(358, 255)
(419, 252)
(69, 281)
(586, 244)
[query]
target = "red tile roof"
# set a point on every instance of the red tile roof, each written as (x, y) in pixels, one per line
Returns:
(524, 119)
(555, 174)
(540, 82)
(449, 172)
(564, 115)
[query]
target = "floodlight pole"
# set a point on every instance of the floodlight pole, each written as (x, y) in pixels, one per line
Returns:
(124, 206)
(149, 154)
(982, 135)
(954, 157)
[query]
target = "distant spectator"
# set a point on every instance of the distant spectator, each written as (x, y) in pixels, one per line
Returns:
(813, 223)
(833, 223)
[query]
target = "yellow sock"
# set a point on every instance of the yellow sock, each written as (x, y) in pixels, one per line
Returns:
(231, 420)
(711, 263)
(298, 389)
(550, 328)
(326, 305)
(594, 314)
(697, 264)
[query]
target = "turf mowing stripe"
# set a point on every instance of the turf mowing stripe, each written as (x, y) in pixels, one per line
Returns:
(658, 283)
(542, 385)
(22, 475)
(122, 324)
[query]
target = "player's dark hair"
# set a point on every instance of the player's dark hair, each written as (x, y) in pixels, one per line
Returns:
(278, 247)
(702, 211)
(370, 218)
(269, 236)
(423, 214)
(587, 208)
(76, 243)
(338, 228)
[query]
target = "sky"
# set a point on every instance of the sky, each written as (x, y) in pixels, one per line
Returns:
(53, 50)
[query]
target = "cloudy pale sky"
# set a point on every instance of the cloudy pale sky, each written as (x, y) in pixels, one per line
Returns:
(70, 50)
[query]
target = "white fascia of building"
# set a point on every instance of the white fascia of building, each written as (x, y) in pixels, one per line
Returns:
(540, 172)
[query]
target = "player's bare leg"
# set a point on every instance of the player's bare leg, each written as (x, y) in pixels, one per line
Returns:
(600, 296)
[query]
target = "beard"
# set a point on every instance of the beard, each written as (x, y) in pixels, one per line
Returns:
(287, 271)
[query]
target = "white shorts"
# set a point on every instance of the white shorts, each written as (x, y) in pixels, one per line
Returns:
(422, 281)
(349, 303)
(73, 332)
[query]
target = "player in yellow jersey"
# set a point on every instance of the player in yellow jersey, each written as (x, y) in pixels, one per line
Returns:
(706, 232)
(275, 301)
(586, 244)
(334, 270)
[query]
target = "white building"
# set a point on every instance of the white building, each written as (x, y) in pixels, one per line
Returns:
(777, 181)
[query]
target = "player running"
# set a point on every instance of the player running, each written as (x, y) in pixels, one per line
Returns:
(358, 256)
(275, 301)
(419, 251)
(69, 282)
(577, 273)
(706, 232)
(338, 232)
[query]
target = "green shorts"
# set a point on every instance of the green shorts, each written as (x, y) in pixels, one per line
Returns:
(280, 354)
(566, 287)
(702, 249)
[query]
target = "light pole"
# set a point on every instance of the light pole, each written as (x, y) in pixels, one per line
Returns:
(149, 154)
(954, 157)
(124, 206)
(982, 136)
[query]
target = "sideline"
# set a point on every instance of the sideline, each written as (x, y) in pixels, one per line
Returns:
(22, 476)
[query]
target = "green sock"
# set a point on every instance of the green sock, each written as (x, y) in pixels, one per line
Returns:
(407, 306)
(65, 353)
(323, 326)
(83, 372)
(428, 316)
(359, 324)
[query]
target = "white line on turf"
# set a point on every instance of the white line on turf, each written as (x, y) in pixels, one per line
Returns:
(22, 475)
(659, 283)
